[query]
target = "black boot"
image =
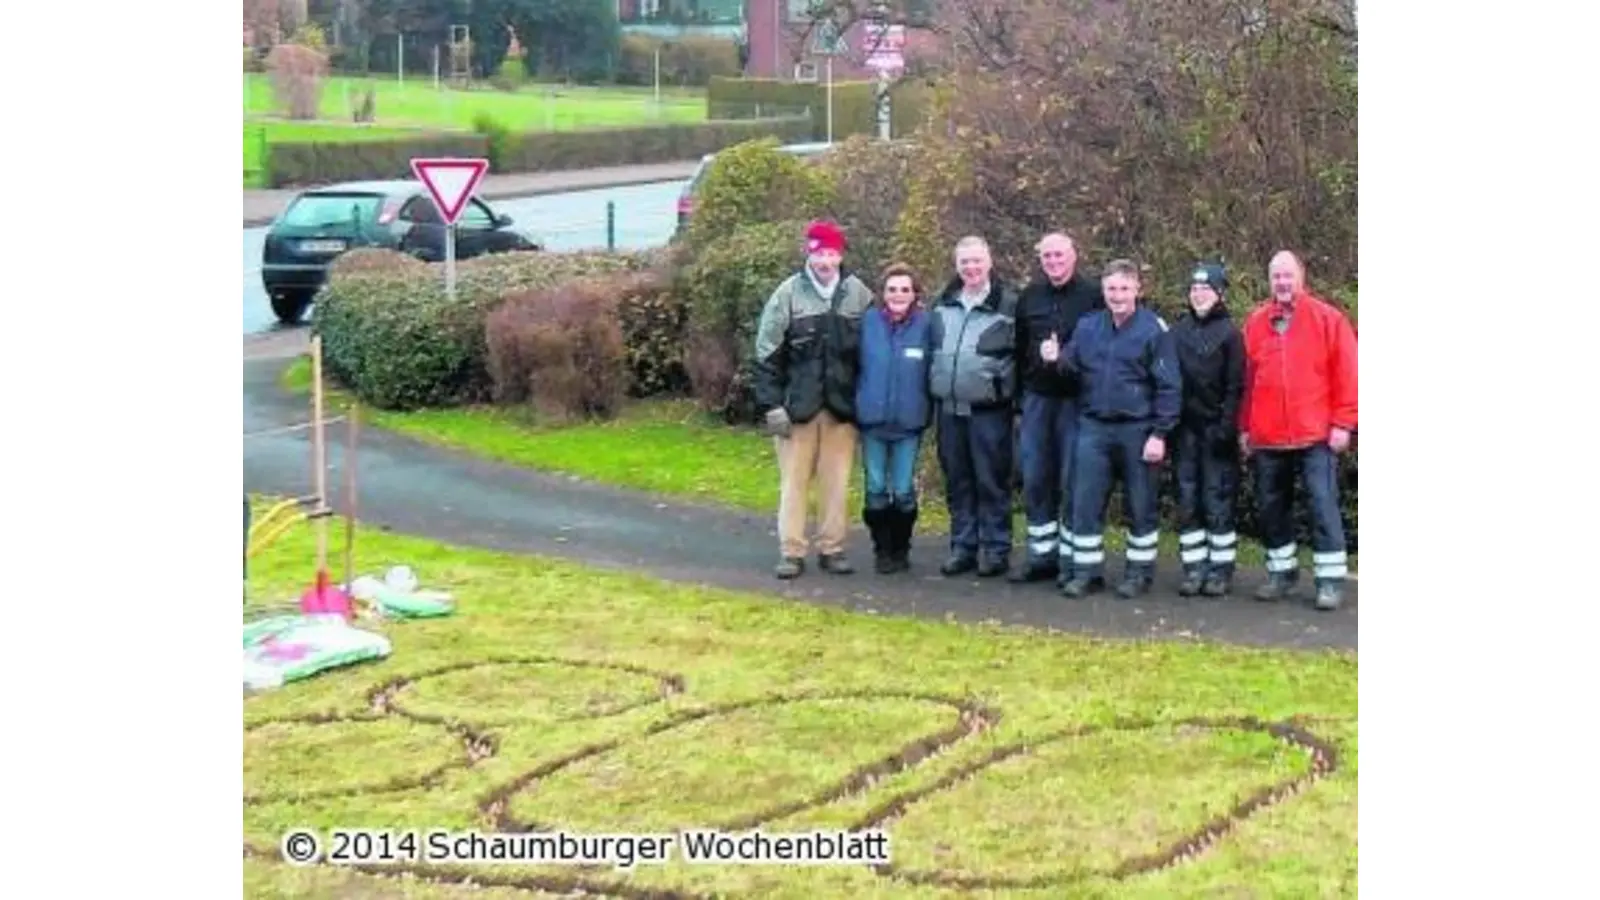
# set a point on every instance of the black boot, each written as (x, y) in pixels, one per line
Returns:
(879, 524)
(1194, 579)
(1219, 581)
(902, 525)
(1279, 585)
(1135, 582)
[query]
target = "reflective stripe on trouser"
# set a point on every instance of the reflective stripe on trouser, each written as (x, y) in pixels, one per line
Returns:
(1106, 450)
(1042, 539)
(1224, 550)
(1317, 466)
(1192, 549)
(1142, 552)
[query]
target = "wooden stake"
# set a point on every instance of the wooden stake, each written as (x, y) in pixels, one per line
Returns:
(350, 430)
(319, 452)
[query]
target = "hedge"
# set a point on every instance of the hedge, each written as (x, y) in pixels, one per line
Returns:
(318, 162)
(855, 109)
(392, 336)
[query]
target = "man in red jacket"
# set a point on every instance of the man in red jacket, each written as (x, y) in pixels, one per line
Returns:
(1297, 414)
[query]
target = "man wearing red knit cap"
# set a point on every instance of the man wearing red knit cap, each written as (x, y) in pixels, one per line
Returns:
(805, 385)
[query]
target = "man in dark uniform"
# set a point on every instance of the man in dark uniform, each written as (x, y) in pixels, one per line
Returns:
(1206, 445)
(1049, 307)
(1129, 398)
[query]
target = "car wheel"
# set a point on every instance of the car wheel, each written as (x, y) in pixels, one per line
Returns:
(290, 306)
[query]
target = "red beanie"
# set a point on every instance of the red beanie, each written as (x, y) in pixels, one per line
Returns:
(824, 236)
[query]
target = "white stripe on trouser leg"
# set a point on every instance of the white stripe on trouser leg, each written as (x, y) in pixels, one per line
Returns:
(1330, 565)
(1066, 542)
(1041, 548)
(1282, 559)
(1142, 547)
(1087, 550)
(1223, 549)
(1048, 529)
(1192, 547)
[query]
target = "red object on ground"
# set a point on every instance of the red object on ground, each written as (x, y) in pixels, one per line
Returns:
(325, 598)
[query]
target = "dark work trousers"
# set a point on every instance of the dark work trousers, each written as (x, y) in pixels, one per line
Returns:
(1208, 489)
(1049, 433)
(1318, 468)
(975, 454)
(1108, 450)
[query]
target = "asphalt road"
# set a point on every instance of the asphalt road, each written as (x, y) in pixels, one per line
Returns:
(645, 217)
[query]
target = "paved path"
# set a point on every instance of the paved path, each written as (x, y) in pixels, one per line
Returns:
(415, 488)
(262, 206)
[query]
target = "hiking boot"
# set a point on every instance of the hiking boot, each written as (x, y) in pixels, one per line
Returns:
(1133, 586)
(1217, 585)
(880, 524)
(1034, 570)
(789, 567)
(1278, 587)
(1079, 586)
(1328, 597)
(992, 566)
(958, 564)
(834, 563)
(1193, 582)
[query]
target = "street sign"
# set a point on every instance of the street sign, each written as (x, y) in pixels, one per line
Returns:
(450, 182)
(885, 46)
(827, 41)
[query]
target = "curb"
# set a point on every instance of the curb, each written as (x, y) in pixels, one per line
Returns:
(519, 193)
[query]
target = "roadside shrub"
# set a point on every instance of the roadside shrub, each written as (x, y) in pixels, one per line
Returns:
(750, 183)
(868, 180)
(296, 72)
(375, 259)
(726, 287)
(399, 343)
(653, 317)
(510, 75)
(855, 105)
(497, 137)
(560, 349)
(316, 162)
(691, 60)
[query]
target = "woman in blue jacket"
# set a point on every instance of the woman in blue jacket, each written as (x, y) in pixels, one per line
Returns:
(892, 411)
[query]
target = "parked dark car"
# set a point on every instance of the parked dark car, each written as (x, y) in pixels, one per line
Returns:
(321, 223)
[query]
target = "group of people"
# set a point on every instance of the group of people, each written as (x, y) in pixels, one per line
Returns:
(1107, 391)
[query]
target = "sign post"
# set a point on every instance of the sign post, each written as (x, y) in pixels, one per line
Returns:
(827, 42)
(886, 55)
(451, 183)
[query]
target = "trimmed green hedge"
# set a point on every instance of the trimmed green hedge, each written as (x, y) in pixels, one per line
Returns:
(322, 162)
(855, 108)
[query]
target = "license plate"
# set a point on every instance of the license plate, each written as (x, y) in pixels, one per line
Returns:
(321, 246)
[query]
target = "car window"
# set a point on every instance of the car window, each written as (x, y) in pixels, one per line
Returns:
(421, 211)
(320, 210)
(476, 215)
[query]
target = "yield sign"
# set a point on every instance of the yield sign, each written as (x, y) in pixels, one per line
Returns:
(450, 182)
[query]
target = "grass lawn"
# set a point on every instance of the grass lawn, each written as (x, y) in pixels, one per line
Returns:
(666, 447)
(602, 702)
(537, 107)
(416, 106)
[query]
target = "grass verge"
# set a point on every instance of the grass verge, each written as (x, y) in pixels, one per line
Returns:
(789, 717)
(661, 446)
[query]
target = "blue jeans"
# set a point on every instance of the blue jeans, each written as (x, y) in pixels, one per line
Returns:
(1318, 468)
(1107, 451)
(891, 469)
(1049, 437)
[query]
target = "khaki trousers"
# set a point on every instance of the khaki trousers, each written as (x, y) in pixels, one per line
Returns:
(824, 447)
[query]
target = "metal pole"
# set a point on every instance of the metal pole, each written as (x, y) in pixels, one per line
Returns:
(883, 105)
(829, 98)
(400, 57)
(658, 76)
(450, 261)
(611, 224)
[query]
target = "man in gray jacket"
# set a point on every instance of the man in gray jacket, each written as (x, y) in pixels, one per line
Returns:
(973, 380)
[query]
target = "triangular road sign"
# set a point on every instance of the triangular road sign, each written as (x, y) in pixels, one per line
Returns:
(451, 182)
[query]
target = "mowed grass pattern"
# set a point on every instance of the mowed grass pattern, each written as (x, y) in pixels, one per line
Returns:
(1067, 810)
